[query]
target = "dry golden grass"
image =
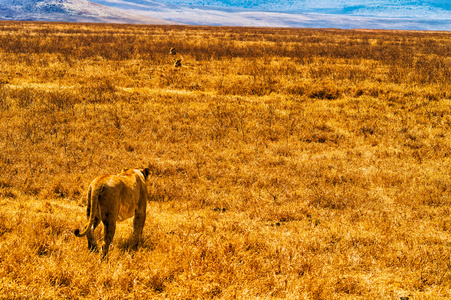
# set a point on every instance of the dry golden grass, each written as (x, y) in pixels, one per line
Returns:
(287, 163)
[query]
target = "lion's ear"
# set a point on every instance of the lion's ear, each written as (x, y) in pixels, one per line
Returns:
(146, 172)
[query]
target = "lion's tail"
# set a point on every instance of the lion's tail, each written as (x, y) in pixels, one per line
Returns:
(93, 205)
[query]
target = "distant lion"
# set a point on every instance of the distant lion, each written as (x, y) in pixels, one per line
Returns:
(113, 198)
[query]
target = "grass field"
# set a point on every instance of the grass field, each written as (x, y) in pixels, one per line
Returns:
(286, 163)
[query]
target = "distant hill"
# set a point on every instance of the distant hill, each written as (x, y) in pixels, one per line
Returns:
(371, 14)
(70, 11)
(374, 8)
(345, 14)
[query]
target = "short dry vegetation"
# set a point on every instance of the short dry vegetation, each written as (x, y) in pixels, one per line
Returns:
(287, 163)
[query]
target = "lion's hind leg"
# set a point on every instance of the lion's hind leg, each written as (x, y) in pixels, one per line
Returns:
(109, 230)
(92, 243)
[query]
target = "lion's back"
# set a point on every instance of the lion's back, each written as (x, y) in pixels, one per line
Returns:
(122, 191)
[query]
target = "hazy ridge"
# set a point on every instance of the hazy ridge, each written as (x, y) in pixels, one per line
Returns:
(381, 14)
(427, 15)
(70, 11)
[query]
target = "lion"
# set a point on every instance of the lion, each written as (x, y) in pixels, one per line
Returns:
(113, 198)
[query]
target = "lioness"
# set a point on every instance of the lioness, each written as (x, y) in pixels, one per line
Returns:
(114, 198)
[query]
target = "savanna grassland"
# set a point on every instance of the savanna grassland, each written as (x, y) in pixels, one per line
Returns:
(286, 163)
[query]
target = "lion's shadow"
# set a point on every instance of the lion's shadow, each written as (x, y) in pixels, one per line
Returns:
(127, 245)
